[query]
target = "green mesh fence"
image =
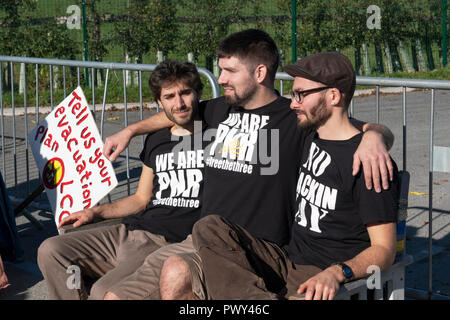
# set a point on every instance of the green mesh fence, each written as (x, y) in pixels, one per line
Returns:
(409, 39)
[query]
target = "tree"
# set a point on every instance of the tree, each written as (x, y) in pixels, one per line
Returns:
(312, 34)
(96, 43)
(282, 24)
(394, 28)
(426, 29)
(208, 24)
(18, 37)
(150, 25)
(162, 25)
(49, 40)
(10, 32)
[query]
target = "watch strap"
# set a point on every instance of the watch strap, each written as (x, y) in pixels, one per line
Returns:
(346, 271)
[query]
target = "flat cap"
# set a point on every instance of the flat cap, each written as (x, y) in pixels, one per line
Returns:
(330, 68)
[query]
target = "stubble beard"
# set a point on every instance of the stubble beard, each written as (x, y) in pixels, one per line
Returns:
(319, 116)
(243, 98)
(182, 121)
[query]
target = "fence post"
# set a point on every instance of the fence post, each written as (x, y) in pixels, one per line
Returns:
(294, 30)
(444, 33)
(430, 201)
(85, 48)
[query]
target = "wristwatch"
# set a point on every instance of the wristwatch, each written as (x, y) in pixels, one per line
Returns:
(346, 271)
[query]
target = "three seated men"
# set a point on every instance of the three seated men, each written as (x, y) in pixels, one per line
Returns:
(259, 170)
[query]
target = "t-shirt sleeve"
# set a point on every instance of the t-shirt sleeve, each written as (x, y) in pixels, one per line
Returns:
(213, 111)
(302, 135)
(376, 207)
(205, 111)
(146, 151)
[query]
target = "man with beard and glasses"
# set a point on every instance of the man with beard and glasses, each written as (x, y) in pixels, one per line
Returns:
(341, 228)
(251, 164)
(162, 211)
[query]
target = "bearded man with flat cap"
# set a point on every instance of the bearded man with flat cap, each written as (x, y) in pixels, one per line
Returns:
(341, 228)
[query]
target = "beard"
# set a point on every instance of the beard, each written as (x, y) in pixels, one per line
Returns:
(242, 98)
(319, 115)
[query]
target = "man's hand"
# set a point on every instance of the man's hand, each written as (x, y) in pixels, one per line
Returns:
(322, 286)
(4, 283)
(78, 218)
(373, 155)
(115, 144)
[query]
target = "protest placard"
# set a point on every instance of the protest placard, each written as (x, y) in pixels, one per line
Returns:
(67, 148)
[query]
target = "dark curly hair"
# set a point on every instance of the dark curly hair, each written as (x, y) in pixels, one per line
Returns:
(170, 71)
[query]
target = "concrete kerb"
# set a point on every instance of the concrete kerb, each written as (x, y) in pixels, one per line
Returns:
(131, 106)
(386, 90)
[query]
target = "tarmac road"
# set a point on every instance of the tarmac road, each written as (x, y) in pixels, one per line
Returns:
(26, 279)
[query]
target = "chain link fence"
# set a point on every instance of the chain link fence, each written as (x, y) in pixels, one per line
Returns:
(378, 35)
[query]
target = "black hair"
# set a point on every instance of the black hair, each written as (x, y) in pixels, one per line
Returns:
(254, 47)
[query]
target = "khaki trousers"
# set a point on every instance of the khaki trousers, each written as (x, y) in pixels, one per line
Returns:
(127, 263)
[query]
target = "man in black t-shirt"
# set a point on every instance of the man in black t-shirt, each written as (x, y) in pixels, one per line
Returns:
(341, 228)
(162, 211)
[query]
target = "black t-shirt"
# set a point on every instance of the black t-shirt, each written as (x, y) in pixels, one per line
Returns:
(178, 170)
(334, 207)
(251, 166)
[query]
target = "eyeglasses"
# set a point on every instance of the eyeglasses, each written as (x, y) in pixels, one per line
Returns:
(299, 95)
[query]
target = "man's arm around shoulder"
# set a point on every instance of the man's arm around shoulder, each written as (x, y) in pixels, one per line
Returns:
(115, 144)
(373, 154)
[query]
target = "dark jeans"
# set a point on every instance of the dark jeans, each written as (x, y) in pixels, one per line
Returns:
(237, 265)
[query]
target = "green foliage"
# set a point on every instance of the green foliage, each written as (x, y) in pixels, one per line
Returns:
(97, 45)
(150, 24)
(208, 23)
(181, 26)
(395, 18)
(163, 31)
(48, 40)
(282, 26)
(425, 17)
(12, 12)
(176, 27)
(18, 37)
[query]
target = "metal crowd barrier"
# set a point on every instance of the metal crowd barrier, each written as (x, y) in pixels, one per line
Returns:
(21, 184)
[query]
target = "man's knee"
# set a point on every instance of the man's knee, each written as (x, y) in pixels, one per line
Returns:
(175, 280)
(173, 268)
(110, 296)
